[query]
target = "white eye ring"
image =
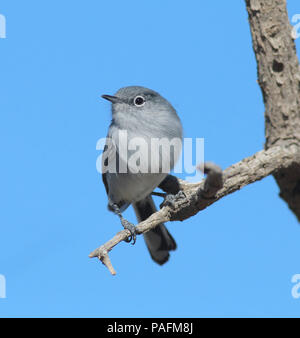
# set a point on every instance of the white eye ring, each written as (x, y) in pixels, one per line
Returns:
(138, 98)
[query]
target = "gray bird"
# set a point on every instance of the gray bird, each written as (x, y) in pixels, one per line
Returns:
(145, 114)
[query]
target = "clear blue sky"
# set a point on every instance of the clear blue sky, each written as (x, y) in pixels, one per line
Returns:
(236, 258)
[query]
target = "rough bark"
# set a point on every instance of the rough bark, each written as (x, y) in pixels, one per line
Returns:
(279, 79)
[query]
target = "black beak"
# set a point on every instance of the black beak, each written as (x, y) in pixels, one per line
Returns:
(112, 99)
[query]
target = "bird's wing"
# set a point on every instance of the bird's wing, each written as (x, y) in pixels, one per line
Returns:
(109, 158)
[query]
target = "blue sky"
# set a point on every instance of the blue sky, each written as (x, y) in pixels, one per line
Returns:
(236, 258)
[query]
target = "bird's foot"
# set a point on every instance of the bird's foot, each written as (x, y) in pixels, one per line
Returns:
(129, 226)
(170, 199)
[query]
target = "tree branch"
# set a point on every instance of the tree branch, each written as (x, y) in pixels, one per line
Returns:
(279, 79)
(200, 195)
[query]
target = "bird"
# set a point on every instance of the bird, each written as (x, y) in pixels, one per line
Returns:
(145, 115)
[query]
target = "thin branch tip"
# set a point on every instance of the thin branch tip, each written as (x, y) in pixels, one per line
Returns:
(102, 254)
(106, 261)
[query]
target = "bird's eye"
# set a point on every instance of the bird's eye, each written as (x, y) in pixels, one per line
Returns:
(139, 101)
